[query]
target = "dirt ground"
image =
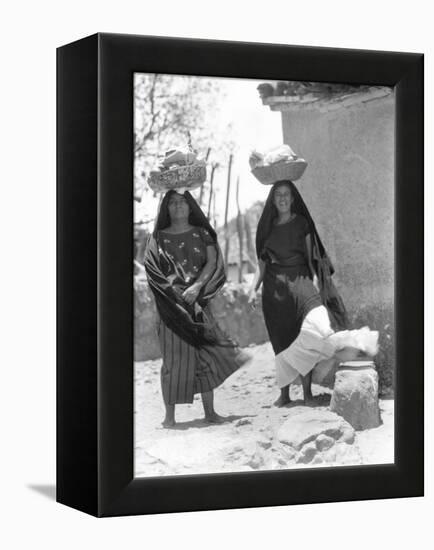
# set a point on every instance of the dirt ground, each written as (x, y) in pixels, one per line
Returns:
(246, 400)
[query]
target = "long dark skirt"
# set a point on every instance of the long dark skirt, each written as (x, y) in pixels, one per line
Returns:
(187, 370)
(288, 295)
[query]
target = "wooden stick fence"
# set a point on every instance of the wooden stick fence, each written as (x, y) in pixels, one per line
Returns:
(211, 190)
(203, 185)
(240, 233)
(226, 211)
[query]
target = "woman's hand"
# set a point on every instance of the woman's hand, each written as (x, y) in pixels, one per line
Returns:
(316, 282)
(252, 301)
(191, 293)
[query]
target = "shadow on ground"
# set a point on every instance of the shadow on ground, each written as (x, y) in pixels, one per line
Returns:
(48, 491)
(201, 423)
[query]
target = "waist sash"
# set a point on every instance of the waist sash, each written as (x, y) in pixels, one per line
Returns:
(292, 261)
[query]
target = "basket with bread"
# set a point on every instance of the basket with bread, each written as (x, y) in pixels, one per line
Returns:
(276, 165)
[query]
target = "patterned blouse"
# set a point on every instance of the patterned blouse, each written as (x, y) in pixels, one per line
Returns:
(186, 253)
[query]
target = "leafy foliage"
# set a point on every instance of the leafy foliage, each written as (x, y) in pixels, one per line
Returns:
(169, 111)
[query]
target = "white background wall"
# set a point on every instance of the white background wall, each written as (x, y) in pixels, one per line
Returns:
(30, 32)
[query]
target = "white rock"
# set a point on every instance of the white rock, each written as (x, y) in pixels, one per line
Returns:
(343, 454)
(355, 397)
(305, 425)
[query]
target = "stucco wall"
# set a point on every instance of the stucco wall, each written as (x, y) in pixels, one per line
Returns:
(349, 188)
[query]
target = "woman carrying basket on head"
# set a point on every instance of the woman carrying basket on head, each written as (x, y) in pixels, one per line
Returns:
(185, 270)
(300, 302)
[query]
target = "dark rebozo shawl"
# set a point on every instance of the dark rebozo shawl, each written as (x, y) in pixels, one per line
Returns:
(184, 320)
(320, 260)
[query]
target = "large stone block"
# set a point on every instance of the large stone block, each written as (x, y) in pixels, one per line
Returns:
(305, 425)
(355, 394)
(316, 436)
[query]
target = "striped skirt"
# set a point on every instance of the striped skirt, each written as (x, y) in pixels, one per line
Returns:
(187, 370)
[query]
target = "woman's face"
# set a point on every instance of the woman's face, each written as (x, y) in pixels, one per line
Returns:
(283, 199)
(178, 208)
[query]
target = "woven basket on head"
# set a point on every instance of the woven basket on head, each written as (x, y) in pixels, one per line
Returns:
(186, 177)
(286, 170)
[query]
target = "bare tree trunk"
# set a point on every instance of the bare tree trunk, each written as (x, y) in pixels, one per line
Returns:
(203, 185)
(240, 233)
(160, 200)
(251, 254)
(214, 212)
(211, 190)
(226, 211)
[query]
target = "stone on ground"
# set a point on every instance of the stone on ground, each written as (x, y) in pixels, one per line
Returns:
(313, 436)
(355, 395)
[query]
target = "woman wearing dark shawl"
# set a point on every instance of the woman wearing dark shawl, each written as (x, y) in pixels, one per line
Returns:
(301, 306)
(185, 271)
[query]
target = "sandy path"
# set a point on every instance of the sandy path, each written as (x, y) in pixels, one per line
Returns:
(246, 398)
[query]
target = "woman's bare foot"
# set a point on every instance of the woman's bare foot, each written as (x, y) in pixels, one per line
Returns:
(169, 419)
(282, 401)
(214, 418)
(284, 397)
(169, 423)
(211, 417)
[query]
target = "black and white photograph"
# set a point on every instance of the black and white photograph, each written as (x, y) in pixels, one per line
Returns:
(263, 275)
(217, 298)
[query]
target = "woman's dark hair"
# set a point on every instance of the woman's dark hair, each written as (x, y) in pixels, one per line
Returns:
(196, 216)
(269, 214)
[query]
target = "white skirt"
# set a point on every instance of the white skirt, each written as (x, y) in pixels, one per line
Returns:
(316, 342)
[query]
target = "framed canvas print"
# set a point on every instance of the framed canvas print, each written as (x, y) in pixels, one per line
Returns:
(240, 284)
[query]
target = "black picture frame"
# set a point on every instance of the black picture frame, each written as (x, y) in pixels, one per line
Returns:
(94, 275)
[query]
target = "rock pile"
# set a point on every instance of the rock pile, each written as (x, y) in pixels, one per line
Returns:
(311, 436)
